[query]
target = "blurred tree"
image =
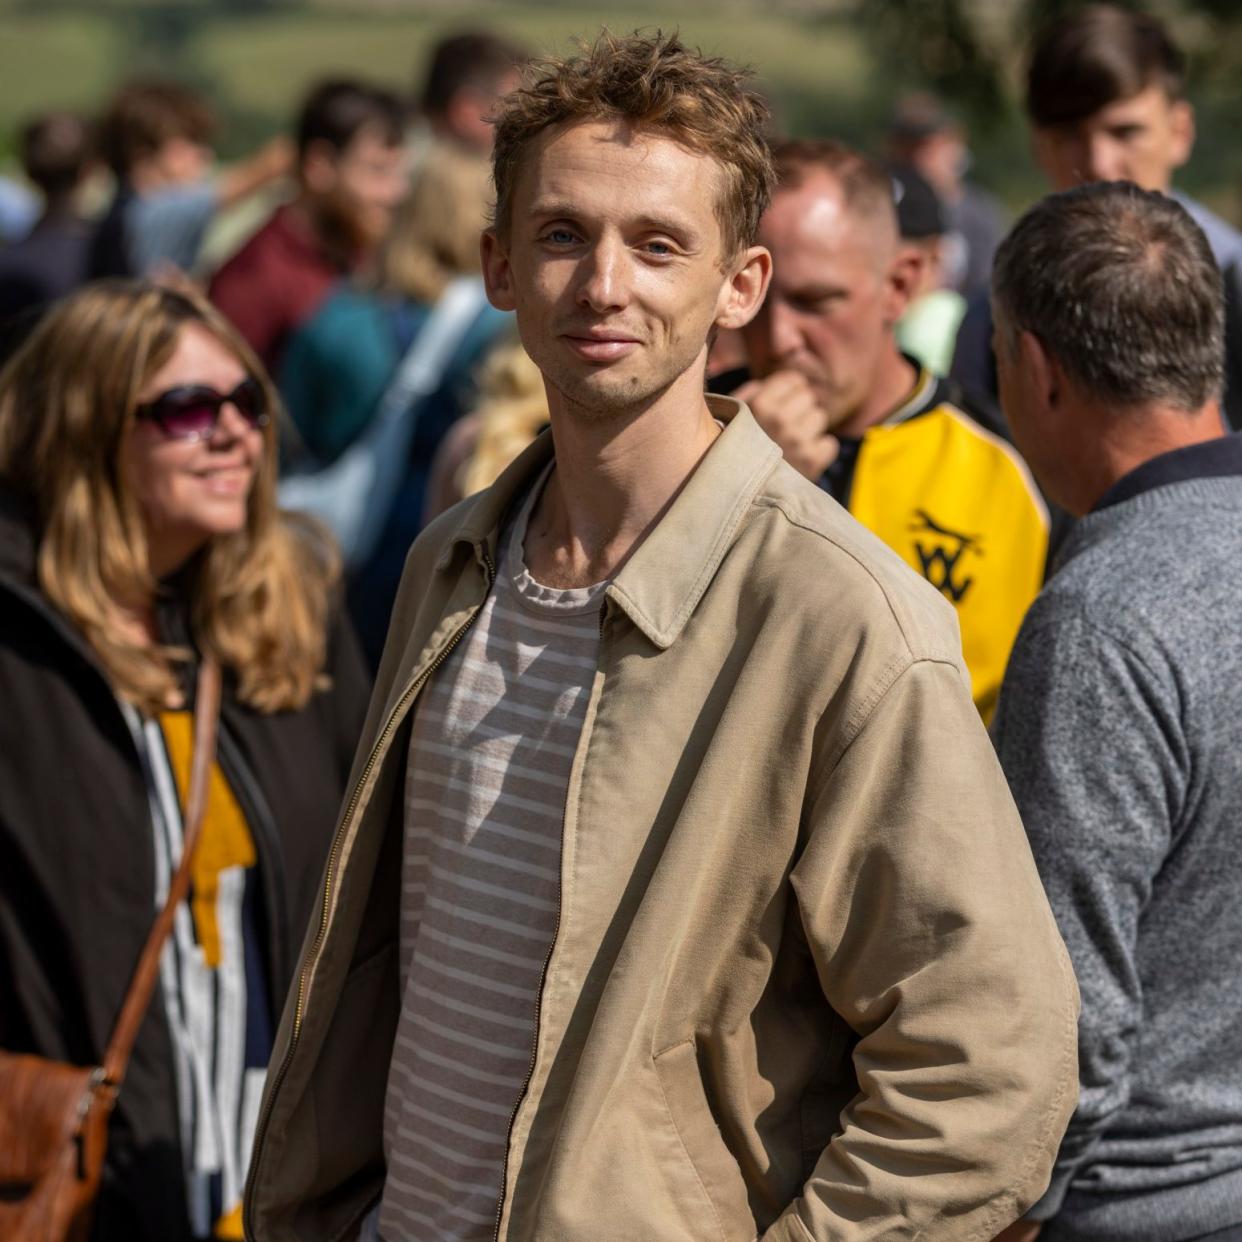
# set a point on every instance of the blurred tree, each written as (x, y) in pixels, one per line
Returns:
(970, 53)
(940, 45)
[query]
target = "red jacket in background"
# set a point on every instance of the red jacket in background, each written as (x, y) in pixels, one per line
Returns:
(275, 282)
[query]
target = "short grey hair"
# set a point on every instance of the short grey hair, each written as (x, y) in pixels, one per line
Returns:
(1120, 286)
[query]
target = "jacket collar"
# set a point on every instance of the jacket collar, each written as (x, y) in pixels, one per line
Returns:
(1219, 458)
(661, 584)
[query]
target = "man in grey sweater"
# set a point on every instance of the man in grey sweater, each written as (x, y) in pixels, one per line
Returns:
(1120, 717)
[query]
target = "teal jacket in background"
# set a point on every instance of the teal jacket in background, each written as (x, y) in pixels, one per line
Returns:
(335, 371)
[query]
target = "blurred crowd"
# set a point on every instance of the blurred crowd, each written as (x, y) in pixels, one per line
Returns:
(378, 203)
(345, 353)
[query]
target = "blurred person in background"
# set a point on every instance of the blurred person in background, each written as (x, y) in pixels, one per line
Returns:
(138, 529)
(339, 364)
(898, 446)
(1120, 719)
(1105, 99)
(351, 174)
(928, 327)
(51, 259)
(19, 209)
(467, 72)
(156, 137)
(924, 137)
(512, 410)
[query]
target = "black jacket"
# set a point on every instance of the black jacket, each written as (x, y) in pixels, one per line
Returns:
(77, 862)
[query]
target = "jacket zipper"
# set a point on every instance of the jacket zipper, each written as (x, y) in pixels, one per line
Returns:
(303, 975)
(543, 978)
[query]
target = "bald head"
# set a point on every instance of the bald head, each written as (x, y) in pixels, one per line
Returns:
(840, 281)
(845, 183)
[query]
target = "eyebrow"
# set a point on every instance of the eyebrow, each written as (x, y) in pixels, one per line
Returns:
(815, 293)
(562, 209)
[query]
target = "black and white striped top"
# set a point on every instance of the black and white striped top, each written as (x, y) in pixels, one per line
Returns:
(493, 742)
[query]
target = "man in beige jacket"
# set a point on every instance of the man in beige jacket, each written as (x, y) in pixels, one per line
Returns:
(679, 894)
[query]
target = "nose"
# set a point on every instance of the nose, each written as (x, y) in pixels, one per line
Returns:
(784, 333)
(231, 424)
(602, 285)
(1101, 159)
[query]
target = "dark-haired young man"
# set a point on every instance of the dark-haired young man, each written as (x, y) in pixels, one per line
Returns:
(351, 172)
(467, 72)
(1120, 719)
(1104, 96)
(680, 895)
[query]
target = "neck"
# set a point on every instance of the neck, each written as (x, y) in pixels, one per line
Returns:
(894, 380)
(1129, 439)
(146, 177)
(170, 553)
(614, 479)
(58, 210)
(328, 229)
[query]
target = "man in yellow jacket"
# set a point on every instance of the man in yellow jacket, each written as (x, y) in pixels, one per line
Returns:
(679, 897)
(895, 444)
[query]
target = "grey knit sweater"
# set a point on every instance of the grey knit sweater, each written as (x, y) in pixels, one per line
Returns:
(1120, 729)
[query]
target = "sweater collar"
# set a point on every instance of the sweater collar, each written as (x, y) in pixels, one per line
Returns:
(1212, 459)
(662, 582)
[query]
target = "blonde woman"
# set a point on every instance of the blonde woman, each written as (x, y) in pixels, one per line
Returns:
(512, 411)
(138, 529)
(338, 365)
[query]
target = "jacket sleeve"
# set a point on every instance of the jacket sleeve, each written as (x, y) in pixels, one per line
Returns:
(933, 939)
(1097, 803)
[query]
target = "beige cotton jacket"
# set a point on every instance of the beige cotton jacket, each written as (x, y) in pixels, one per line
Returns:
(805, 983)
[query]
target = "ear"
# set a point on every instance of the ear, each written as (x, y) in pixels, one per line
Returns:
(1182, 123)
(1040, 370)
(902, 281)
(744, 291)
(318, 167)
(497, 272)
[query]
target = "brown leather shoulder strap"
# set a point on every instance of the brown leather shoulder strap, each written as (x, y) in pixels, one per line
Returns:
(142, 985)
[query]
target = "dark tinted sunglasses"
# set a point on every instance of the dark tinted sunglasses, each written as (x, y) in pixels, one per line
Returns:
(192, 412)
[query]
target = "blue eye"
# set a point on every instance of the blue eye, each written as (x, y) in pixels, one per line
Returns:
(559, 237)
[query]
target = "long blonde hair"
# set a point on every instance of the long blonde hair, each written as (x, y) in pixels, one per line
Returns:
(435, 235)
(258, 598)
(513, 409)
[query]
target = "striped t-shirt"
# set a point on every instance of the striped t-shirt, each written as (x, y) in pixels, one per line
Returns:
(493, 741)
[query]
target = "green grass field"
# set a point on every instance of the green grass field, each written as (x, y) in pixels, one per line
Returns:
(257, 64)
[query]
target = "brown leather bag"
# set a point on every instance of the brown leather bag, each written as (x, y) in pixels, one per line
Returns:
(53, 1116)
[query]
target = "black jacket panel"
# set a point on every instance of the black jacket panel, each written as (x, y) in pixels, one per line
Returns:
(77, 867)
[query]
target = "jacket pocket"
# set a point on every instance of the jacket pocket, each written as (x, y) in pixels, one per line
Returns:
(826, 1096)
(351, 1078)
(711, 1164)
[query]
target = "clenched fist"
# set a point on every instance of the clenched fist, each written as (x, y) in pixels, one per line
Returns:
(786, 407)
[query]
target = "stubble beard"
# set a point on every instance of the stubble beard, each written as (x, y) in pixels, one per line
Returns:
(601, 397)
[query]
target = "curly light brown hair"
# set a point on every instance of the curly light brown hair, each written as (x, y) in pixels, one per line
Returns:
(658, 84)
